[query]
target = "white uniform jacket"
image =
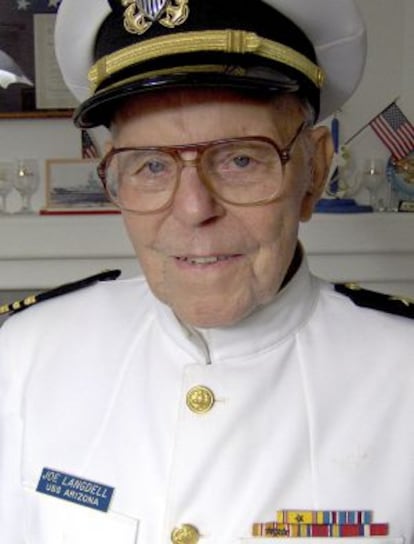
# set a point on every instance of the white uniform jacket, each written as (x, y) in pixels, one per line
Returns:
(312, 407)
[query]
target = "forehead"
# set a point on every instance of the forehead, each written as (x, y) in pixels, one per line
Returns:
(284, 107)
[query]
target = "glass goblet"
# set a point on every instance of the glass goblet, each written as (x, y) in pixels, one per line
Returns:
(26, 182)
(6, 185)
(373, 178)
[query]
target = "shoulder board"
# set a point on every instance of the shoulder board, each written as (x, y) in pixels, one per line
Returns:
(391, 304)
(20, 305)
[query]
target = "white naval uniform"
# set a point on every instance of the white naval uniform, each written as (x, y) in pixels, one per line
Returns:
(314, 409)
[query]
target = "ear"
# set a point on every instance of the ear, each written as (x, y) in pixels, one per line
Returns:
(321, 160)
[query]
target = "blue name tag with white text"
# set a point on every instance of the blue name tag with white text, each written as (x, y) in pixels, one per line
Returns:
(73, 489)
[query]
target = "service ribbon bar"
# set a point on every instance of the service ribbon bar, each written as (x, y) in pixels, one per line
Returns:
(321, 523)
(286, 530)
(339, 517)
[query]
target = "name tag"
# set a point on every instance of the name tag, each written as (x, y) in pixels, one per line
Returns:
(76, 490)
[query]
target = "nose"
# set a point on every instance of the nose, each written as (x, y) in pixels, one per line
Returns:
(193, 203)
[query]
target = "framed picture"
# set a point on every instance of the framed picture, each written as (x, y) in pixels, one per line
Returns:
(31, 84)
(73, 186)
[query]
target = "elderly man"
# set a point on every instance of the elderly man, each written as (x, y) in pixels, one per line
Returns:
(228, 395)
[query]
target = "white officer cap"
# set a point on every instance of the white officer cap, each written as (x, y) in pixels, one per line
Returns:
(111, 49)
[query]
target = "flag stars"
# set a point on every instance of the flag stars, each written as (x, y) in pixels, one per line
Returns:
(54, 3)
(23, 5)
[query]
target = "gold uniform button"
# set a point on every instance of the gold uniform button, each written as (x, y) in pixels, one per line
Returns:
(186, 534)
(200, 399)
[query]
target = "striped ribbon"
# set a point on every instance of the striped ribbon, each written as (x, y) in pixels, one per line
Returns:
(339, 517)
(285, 530)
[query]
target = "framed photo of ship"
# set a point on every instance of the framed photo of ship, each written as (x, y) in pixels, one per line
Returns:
(73, 186)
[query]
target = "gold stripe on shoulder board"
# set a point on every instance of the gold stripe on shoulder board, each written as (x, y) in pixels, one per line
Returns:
(19, 305)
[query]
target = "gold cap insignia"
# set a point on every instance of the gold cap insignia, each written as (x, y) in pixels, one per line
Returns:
(141, 14)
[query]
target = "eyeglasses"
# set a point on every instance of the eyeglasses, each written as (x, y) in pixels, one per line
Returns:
(245, 171)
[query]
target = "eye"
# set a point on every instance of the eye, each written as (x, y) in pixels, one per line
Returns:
(146, 164)
(154, 166)
(242, 161)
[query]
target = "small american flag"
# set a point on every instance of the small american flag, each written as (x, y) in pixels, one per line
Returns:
(89, 150)
(395, 131)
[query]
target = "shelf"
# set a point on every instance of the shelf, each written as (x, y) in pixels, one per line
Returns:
(40, 252)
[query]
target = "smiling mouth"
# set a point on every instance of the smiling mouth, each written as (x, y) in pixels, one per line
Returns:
(206, 260)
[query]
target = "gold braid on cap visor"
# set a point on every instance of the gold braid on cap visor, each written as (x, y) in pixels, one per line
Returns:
(221, 41)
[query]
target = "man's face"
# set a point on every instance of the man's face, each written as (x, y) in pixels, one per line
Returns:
(215, 263)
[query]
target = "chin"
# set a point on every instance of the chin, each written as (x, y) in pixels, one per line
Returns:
(209, 316)
(218, 305)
